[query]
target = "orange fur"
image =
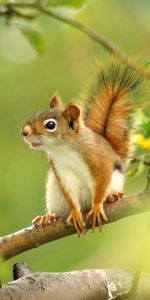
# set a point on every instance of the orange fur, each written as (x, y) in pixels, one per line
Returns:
(110, 106)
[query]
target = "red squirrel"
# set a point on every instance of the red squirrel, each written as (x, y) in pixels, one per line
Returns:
(88, 147)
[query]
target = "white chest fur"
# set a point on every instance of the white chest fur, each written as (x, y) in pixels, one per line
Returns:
(77, 181)
(74, 174)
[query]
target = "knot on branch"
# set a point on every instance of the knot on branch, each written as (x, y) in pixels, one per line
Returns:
(20, 269)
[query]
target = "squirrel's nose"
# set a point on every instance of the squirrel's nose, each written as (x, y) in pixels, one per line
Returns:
(26, 130)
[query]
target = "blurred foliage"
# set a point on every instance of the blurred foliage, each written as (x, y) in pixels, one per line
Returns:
(34, 37)
(66, 3)
(72, 3)
(27, 82)
(141, 139)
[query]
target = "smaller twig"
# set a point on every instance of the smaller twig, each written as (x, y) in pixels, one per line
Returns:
(22, 4)
(100, 39)
(24, 16)
(11, 12)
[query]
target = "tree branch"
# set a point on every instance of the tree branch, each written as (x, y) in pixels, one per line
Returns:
(85, 285)
(98, 284)
(35, 236)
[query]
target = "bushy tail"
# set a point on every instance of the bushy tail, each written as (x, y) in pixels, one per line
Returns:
(110, 104)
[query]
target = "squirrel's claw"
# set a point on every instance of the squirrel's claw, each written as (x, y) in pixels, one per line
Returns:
(114, 197)
(44, 220)
(95, 213)
(75, 217)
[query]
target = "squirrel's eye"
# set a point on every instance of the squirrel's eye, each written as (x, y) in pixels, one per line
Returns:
(50, 125)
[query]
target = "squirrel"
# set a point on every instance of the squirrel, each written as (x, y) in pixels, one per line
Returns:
(87, 145)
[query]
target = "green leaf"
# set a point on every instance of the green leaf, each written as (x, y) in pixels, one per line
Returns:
(66, 3)
(34, 37)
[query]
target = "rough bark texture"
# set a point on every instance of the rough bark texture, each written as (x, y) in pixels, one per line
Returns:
(87, 284)
(32, 236)
(77, 285)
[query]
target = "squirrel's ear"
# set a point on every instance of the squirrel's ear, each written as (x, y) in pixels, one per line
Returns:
(72, 111)
(55, 101)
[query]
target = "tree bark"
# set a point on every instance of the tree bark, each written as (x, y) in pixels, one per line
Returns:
(35, 236)
(86, 284)
(77, 285)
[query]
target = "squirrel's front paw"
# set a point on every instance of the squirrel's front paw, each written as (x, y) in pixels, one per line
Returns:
(44, 220)
(95, 213)
(75, 217)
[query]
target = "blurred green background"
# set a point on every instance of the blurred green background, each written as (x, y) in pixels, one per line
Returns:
(27, 81)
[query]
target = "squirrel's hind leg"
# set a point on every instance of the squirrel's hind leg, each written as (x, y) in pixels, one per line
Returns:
(116, 187)
(114, 197)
